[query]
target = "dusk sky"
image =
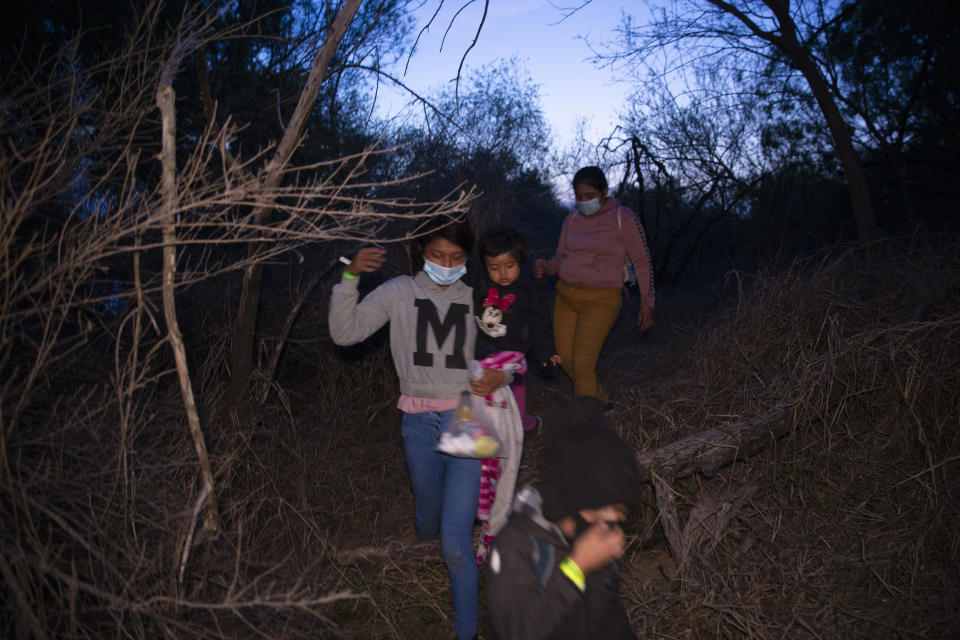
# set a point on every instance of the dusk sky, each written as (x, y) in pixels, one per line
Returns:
(549, 46)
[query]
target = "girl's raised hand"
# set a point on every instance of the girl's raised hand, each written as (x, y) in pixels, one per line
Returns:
(366, 260)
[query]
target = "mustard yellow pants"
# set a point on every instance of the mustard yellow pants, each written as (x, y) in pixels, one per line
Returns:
(582, 319)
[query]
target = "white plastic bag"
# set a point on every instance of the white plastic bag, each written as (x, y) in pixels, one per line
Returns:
(473, 431)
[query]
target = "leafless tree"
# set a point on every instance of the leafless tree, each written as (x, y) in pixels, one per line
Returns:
(97, 237)
(751, 36)
(692, 165)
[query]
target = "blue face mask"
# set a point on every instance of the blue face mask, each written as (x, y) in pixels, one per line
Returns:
(589, 207)
(444, 276)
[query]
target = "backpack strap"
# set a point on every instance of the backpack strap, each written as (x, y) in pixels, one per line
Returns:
(629, 273)
(544, 555)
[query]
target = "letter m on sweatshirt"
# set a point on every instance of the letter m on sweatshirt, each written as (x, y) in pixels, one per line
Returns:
(428, 319)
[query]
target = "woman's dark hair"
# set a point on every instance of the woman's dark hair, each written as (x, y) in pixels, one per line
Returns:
(456, 231)
(502, 239)
(591, 176)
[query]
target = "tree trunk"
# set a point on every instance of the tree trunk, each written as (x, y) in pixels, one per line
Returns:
(237, 399)
(788, 43)
(856, 180)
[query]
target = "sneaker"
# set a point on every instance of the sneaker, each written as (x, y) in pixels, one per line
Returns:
(530, 434)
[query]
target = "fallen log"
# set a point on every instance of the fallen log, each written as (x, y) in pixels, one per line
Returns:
(706, 451)
(710, 516)
(667, 513)
(709, 450)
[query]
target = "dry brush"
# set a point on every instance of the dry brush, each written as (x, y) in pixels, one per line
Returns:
(101, 483)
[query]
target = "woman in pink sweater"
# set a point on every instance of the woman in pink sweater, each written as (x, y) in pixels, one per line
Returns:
(594, 240)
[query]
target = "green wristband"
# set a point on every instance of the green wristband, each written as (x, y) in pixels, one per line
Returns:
(575, 573)
(349, 276)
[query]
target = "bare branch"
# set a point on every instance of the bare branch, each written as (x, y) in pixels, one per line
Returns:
(165, 102)
(476, 36)
(769, 36)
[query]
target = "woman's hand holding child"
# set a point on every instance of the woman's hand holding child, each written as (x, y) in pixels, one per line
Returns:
(539, 268)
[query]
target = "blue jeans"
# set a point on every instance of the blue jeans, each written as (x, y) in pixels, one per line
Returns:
(445, 492)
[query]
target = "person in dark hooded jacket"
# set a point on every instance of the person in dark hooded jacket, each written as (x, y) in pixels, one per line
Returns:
(553, 572)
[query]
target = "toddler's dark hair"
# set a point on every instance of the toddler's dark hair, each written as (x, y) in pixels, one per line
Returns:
(502, 239)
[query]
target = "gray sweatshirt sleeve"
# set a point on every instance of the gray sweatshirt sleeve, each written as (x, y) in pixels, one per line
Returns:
(352, 322)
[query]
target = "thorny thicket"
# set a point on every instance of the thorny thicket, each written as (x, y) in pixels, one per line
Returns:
(99, 483)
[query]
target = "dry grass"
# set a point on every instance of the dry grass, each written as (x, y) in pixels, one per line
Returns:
(853, 529)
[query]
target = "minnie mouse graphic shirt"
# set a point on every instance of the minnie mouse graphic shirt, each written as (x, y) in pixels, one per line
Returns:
(511, 318)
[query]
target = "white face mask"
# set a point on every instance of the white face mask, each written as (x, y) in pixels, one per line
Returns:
(444, 276)
(589, 207)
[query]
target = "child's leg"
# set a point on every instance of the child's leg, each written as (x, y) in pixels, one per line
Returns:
(420, 432)
(461, 485)
(489, 474)
(445, 492)
(519, 388)
(489, 477)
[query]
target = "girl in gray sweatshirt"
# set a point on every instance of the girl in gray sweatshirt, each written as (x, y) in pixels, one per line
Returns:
(432, 336)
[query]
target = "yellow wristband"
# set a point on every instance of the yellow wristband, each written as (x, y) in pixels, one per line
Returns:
(575, 573)
(349, 276)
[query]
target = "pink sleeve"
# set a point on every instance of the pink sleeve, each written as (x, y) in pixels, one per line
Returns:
(635, 243)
